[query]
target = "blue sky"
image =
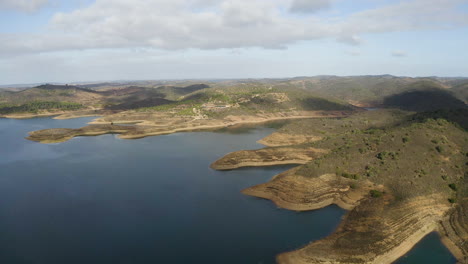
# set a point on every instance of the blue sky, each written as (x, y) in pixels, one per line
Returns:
(86, 40)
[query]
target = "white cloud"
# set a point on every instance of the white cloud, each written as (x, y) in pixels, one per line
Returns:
(399, 53)
(309, 6)
(209, 24)
(408, 16)
(23, 5)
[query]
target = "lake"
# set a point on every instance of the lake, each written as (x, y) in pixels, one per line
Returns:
(152, 200)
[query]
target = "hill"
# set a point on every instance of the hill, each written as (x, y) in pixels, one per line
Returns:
(400, 175)
(373, 90)
(52, 98)
(250, 96)
(424, 100)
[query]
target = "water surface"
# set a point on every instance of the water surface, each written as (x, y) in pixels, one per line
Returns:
(152, 200)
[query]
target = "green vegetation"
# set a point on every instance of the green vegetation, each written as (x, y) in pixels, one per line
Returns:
(387, 155)
(453, 186)
(424, 100)
(416, 94)
(258, 96)
(370, 145)
(353, 176)
(375, 193)
(36, 106)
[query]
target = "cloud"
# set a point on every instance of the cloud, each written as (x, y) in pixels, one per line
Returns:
(23, 5)
(353, 52)
(309, 6)
(209, 24)
(350, 39)
(399, 53)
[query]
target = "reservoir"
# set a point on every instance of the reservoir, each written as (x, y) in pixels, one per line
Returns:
(99, 200)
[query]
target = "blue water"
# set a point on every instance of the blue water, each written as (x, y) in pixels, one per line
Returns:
(429, 250)
(152, 200)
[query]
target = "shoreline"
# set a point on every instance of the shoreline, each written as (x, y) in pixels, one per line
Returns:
(143, 128)
(267, 157)
(412, 219)
(416, 224)
(60, 115)
(303, 194)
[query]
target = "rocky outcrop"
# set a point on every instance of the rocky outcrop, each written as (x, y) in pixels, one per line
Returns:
(376, 230)
(295, 192)
(396, 192)
(267, 157)
(454, 229)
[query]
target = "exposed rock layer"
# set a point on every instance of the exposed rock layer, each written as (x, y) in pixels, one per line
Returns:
(376, 230)
(267, 157)
(294, 192)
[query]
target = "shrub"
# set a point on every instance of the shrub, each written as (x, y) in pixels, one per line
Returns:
(453, 186)
(439, 149)
(384, 154)
(452, 200)
(350, 175)
(405, 139)
(370, 171)
(375, 193)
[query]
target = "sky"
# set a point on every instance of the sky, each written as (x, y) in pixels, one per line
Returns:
(99, 40)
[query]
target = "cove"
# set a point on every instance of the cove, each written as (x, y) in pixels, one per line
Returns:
(151, 200)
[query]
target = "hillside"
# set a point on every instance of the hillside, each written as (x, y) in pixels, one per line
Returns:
(209, 108)
(461, 91)
(401, 175)
(53, 98)
(252, 96)
(373, 90)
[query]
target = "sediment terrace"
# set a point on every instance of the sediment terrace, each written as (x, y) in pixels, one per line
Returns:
(267, 157)
(376, 230)
(152, 124)
(294, 192)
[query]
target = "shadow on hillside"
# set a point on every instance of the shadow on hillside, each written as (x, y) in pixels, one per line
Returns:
(456, 116)
(135, 104)
(427, 100)
(315, 104)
